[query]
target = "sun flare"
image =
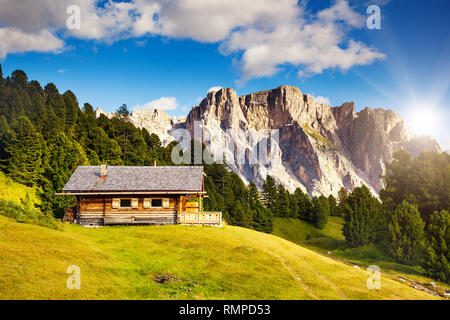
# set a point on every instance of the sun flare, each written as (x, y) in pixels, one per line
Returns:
(423, 119)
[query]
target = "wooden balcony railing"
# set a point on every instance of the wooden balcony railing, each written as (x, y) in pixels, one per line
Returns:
(190, 217)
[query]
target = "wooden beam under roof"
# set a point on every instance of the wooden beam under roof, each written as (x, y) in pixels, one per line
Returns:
(127, 192)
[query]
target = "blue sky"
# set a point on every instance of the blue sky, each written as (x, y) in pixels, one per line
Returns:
(117, 59)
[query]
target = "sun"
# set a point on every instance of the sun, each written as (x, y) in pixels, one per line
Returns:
(423, 119)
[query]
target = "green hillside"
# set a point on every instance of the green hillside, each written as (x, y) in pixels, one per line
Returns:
(300, 231)
(13, 191)
(178, 262)
(331, 242)
(175, 262)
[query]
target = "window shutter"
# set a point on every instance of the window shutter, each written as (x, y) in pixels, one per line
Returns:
(147, 202)
(134, 203)
(116, 203)
(165, 203)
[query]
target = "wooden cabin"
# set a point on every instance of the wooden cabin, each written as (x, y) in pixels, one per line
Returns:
(108, 195)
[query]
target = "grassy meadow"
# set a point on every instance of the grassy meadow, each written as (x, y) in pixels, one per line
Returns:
(331, 242)
(13, 191)
(175, 262)
(179, 262)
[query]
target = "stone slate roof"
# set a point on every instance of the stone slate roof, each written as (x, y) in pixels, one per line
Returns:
(159, 178)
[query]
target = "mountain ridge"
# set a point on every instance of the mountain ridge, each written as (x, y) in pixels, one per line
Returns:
(321, 148)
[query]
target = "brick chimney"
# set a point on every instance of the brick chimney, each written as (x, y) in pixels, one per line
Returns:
(103, 171)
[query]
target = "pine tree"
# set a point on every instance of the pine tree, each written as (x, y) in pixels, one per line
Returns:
(217, 172)
(55, 102)
(152, 140)
(228, 195)
(122, 111)
(25, 150)
(293, 206)
(342, 197)
(334, 209)
(320, 212)
(253, 196)
(19, 77)
(51, 124)
(99, 147)
(262, 218)
(282, 202)
(424, 181)
(304, 205)
(210, 203)
(361, 217)
(239, 187)
(36, 111)
(5, 135)
(72, 111)
(242, 216)
(64, 156)
(406, 234)
(437, 254)
(326, 204)
(270, 193)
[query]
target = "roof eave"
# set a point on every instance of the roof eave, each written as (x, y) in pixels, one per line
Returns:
(80, 193)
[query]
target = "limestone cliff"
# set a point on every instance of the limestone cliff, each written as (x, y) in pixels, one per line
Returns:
(320, 148)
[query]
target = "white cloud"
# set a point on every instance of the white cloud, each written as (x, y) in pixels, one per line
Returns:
(109, 22)
(163, 103)
(206, 20)
(313, 44)
(323, 100)
(62, 71)
(213, 89)
(13, 40)
(341, 11)
(264, 37)
(112, 22)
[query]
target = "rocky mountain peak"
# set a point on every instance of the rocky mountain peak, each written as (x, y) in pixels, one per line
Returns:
(320, 148)
(150, 114)
(99, 112)
(344, 114)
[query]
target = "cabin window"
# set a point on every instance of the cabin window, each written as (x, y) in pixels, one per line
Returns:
(125, 203)
(156, 203)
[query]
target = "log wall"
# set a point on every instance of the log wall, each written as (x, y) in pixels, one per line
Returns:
(98, 210)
